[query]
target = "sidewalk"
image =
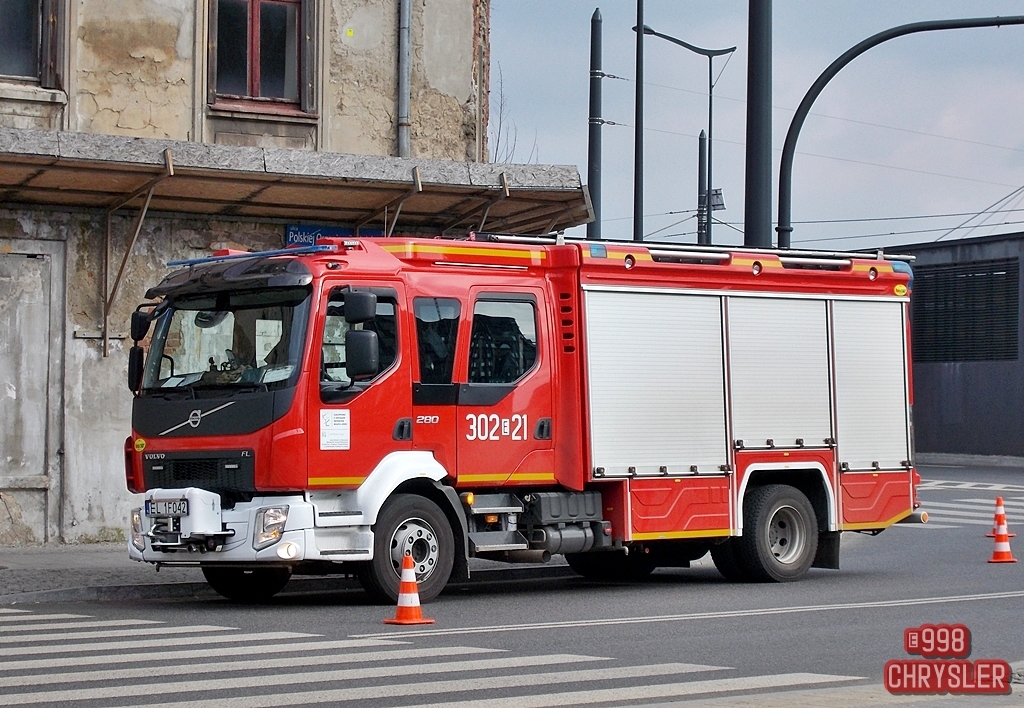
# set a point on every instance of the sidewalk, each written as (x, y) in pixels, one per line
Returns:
(102, 571)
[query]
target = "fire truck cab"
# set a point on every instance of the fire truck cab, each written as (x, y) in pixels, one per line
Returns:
(334, 408)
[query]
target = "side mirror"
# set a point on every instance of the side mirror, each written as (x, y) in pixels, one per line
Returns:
(362, 353)
(360, 306)
(140, 325)
(136, 362)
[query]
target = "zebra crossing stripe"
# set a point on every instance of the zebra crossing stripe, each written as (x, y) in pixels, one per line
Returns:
(667, 690)
(226, 667)
(107, 634)
(222, 684)
(72, 626)
(39, 618)
(148, 644)
(271, 645)
(398, 690)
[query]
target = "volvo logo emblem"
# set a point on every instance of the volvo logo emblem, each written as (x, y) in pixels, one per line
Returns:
(196, 417)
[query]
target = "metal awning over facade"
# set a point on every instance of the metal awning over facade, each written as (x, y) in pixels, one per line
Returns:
(81, 170)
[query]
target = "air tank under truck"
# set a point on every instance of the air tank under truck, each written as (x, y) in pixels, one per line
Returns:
(333, 408)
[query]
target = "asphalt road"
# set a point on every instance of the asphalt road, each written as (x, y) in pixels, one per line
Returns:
(682, 635)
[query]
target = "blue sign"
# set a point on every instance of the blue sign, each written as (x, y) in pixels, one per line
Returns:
(305, 235)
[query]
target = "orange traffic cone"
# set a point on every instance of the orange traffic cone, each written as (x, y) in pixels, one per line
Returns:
(1002, 553)
(408, 611)
(1000, 519)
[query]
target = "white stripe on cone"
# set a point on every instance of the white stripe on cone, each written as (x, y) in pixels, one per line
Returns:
(406, 600)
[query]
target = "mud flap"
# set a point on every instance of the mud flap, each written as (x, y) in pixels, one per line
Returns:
(828, 550)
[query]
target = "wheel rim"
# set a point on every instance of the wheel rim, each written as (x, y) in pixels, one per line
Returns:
(415, 537)
(786, 537)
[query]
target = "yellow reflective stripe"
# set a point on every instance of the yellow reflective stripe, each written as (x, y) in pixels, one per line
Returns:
(709, 533)
(880, 267)
(419, 248)
(500, 477)
(877, 524)
(510, 476)
(335, 481)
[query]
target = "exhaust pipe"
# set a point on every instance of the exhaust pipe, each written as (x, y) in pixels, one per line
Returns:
(917, 517)
(531, 556)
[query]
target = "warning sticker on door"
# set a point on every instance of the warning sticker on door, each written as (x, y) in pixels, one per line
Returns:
(335, 429)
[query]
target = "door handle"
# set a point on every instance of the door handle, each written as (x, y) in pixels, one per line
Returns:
(403, 429)
(542, 431)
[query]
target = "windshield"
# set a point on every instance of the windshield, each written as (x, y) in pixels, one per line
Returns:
(229, 340)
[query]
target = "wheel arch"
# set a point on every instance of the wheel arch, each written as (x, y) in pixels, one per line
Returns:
(447, 500)
(810, 478)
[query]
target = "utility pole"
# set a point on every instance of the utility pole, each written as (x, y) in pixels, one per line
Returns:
(638, 138)
(757, 206)
(594, 152)
(702, 187)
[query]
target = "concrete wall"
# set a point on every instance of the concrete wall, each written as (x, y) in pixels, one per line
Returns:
(83, 498)
(139, 68)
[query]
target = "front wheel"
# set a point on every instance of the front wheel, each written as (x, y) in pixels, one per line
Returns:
(411, 524)
(780, 534)
(247, 585)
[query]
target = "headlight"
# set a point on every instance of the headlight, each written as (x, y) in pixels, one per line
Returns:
(270, 523)
(138, 538)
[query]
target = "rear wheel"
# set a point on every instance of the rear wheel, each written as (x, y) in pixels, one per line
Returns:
(780, 534)
(247, 585)
(412, 524)
(611, 565)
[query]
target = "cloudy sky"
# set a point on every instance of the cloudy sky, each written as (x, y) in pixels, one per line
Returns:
(930, 125)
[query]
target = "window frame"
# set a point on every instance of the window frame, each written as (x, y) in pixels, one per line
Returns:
(306, 104)
(505, 297)
(47, 50)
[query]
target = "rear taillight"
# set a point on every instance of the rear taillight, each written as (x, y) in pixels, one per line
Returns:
(129, 466)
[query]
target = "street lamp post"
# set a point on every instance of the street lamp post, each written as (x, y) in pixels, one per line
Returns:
(710, 54)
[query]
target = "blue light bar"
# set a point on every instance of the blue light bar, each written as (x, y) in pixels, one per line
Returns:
(258, 254)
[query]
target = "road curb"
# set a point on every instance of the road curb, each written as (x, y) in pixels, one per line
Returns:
(298, 585)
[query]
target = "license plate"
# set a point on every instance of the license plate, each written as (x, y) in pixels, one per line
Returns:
(173, 507)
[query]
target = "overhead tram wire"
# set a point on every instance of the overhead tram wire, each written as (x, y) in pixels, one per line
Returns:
(987, 209)
(901, 233)
(830, 117)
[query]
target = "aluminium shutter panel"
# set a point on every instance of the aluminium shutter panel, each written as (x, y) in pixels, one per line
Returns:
(871, 383)
(656, 382)
(779, 368)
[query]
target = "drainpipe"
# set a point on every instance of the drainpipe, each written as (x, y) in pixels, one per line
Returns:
(404, 76)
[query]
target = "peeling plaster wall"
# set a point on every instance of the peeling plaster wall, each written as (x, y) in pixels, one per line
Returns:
(360, 98)
(97, 403)
(134, 61)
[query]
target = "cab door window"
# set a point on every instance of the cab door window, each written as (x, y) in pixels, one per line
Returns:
(333, 377)
(503, 341)
(437, 330)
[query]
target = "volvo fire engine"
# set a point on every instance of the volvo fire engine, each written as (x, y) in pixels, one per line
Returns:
(330, 409)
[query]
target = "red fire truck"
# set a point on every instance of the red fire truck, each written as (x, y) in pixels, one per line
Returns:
(332, 408)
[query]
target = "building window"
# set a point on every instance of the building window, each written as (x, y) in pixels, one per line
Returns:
(260, 53)
(966, 311)
(28, 31)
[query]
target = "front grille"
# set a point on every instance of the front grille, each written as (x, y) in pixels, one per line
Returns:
(229, 471)
(186, 470)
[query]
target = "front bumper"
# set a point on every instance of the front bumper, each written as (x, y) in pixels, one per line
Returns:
(209, 534)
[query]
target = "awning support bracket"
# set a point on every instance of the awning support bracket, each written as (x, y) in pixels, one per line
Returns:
(146, 189)
(396, 204)
(485, 207)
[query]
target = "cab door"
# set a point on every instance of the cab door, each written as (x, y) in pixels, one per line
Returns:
(503, 415)
(355, 424)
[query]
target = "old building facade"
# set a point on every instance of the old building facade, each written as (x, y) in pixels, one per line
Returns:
(135, 132)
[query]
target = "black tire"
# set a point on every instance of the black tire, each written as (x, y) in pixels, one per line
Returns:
(724, 556)
(780, 534)
(247, 585)
(409, 521)
(611, 565)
